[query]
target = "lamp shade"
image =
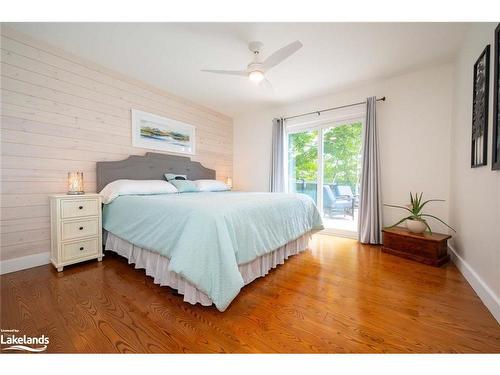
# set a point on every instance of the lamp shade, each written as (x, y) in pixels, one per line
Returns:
(75, 183)
(229, 182)
(256, 76)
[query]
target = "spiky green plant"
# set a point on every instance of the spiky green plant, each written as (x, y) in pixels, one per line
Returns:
(415, 209)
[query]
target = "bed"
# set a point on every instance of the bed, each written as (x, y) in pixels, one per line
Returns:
(206, 245)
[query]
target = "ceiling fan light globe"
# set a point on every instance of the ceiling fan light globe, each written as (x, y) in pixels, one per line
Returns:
(256, 76)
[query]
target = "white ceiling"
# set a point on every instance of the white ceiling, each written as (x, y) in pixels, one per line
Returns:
(335, 56)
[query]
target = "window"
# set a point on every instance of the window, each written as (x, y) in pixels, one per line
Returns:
(324, 162)
(303, 163)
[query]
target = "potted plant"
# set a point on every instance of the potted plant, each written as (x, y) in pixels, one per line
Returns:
(416, 222)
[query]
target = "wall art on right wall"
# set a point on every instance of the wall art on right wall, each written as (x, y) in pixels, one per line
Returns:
(495, 161)
(480, 95)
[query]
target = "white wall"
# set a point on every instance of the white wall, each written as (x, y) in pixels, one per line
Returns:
(59, 113)
(475, 192)
(414, 125)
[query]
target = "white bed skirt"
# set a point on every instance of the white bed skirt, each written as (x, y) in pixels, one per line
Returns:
(156, 265)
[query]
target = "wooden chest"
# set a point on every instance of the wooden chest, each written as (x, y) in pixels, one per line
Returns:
(425, 248)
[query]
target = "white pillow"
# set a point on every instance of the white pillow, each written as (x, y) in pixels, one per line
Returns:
(135, 187)
(211, 185)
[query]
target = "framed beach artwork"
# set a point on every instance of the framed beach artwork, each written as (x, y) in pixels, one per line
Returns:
(161, 133)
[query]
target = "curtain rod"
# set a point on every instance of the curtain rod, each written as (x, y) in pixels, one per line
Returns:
(331, 109)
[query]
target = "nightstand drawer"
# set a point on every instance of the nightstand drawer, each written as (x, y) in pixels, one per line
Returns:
(78, 229)
(79, 249)
(78, 208)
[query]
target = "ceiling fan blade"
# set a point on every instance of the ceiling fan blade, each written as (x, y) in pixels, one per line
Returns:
(281, 55)
(229, 72)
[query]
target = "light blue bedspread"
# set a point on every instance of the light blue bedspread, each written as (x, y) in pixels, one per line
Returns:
(207, 235)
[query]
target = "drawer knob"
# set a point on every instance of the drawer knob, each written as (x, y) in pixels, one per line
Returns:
(80, 207)
(81, 228)
(81, 248)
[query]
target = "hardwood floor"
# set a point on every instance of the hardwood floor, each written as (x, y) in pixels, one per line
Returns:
(338, 297)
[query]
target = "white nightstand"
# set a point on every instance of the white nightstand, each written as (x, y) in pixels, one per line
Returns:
(76, 234)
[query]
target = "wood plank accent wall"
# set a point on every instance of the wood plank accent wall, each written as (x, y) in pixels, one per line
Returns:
(60, 112)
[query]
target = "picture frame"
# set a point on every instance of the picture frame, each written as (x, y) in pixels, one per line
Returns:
(495, 150)
(480, 99)
(155, 132)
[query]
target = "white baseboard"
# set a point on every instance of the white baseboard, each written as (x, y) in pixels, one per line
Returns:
(18, 264)
(491, 301)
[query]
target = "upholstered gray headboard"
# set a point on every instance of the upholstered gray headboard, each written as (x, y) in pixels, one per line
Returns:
(151, 166)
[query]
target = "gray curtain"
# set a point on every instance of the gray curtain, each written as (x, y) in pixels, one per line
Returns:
(277, 182)
(370, 206)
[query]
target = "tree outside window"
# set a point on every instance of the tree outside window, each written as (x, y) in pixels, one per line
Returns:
(341, 156)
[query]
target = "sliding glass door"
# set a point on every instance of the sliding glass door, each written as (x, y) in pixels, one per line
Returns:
(324, 162)
(341, 173)
(303, 165)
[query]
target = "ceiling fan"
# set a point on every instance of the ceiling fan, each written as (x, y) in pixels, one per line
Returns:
(257, 69)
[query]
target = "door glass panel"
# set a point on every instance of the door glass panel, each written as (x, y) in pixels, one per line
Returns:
(303, 163)
(341, 176)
